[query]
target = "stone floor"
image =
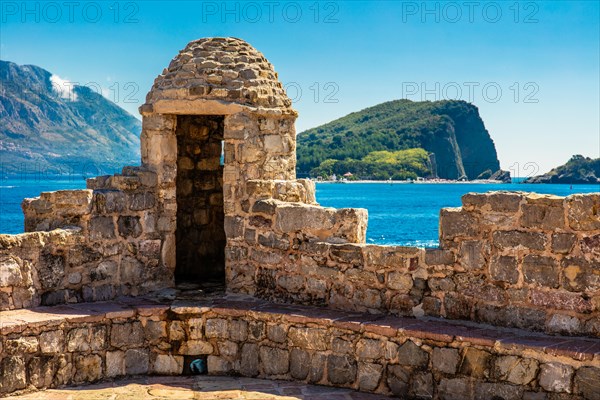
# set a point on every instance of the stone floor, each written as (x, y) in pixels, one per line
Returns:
(198, 388)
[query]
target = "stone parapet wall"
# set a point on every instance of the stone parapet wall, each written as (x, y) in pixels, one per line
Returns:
(503, 260)
(92, 245)
(65, 345)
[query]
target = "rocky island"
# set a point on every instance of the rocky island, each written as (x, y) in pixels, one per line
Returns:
(578, 170)
(403, 139)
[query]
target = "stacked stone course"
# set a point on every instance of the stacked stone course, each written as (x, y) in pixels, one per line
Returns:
(83, 343)
(509, 259)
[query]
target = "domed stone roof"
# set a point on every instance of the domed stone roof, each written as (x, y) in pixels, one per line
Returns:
(226, 70)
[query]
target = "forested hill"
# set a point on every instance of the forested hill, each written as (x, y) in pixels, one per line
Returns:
(452, 130)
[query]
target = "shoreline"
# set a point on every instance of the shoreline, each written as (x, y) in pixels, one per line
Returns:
(480, 181)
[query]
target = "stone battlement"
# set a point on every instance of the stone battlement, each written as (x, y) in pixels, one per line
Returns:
(216, 200)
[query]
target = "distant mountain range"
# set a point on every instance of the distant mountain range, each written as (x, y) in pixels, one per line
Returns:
(47, 127)
(451, 132)
(578, 169)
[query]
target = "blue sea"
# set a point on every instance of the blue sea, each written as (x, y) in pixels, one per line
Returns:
(399, 213)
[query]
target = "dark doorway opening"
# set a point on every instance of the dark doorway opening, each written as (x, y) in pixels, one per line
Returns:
(200, 232)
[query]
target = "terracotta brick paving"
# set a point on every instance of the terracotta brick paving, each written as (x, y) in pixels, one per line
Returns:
(198, 388)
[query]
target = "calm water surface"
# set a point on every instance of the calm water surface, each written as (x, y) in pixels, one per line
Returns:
(402, 214)
(408, 214)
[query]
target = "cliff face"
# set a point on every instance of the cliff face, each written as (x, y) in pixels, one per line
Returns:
(452, 130)
(578, 169)
(45, 127)
(477, 149)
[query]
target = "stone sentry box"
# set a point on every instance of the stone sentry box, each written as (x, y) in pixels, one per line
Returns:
(217, 127)
(217, 94)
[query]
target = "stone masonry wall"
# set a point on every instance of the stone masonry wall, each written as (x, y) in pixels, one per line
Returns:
(112, 245)
(401, 357)
(508, 259)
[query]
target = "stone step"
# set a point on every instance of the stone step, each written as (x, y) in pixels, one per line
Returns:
(416, 358)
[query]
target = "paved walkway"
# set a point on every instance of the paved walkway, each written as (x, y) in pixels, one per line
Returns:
(198, 388)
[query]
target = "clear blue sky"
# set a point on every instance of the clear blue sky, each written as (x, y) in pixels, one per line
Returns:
(339, 57)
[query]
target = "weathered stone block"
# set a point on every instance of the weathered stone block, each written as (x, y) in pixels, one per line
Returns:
(456, 222)
(141, 201)
(564, 324)
(369, 349)
(102, 228)
(195, 347)
(369, 375)
(411, 354)
(543, 216)
(587, 382)
(109, 201)
(88, 368)
(517, 370)
(234, 227)
(562, 301)
(556, 377)
(41, 371)
(10, 272)
(579, 275)
(51, 270)
(512, 239)
(52, 342)
(347, 254)
(293, 217)
(115, 363)
(541, 270)
(490, 390)
(445, 360)
(308, 338)
(78, 339)
(506, 202)
(129, 226)
(457, 306)
(562, 243)
(341, 370)
(249, 365)
(276, 333)
(299, 363)
(137, 361)
(398, 378)
(218, 366)
(123, 335)
(12, 374)
(591, 245)
(399, 281)
(504, 268)
(421, 385)
(166, 364)
(216, 328)
(473, 254)
(439, 257)
(274, 361)
(474, 362)
(21, 346)
(238, 330)
(582, 212)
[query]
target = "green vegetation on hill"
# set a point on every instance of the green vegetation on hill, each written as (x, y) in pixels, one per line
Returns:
(451, 130)
(578, 169)
(379, 165)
